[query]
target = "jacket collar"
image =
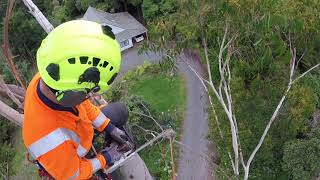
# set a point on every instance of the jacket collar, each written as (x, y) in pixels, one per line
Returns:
(51, 104)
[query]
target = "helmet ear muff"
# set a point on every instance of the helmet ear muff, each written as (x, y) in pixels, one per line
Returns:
(91, 75)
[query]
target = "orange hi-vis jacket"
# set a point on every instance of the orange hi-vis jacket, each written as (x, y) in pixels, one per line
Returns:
(59, 138)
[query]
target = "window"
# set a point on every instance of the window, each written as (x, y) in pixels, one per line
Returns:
(124, 43)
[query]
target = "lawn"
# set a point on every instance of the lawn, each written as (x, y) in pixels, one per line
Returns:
(162, 92)
(23, 168)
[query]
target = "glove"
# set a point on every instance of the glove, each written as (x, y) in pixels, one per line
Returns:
(117, 134)
(111, 155)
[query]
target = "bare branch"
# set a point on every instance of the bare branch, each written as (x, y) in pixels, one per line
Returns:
(42, 20)
(305, 73)
(205, 47)
(301, 57)
(11, 114)
(148, 116)
(9, 93)
(17, 89)
(6, 47)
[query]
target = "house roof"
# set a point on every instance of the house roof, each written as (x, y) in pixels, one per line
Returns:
(123, 25)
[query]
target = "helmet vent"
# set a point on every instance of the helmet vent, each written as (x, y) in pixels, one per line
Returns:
(83, 59)
(105, 64)
(53, 71)
(111, 68)
(95, 61)
(72, 60)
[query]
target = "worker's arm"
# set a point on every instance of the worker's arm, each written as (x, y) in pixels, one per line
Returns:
(99, 120)
(63, 163)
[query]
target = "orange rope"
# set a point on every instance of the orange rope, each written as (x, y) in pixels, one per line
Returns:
(172, 161)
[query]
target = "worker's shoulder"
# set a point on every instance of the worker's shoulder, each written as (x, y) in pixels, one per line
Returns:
(35, 111)
(39, 120)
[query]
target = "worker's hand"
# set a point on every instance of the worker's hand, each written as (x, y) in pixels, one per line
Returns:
(118, 135)
(111, 155)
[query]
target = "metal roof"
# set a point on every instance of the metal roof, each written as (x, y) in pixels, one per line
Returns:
(124, 25)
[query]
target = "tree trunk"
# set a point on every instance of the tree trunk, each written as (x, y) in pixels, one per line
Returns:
(133, 169)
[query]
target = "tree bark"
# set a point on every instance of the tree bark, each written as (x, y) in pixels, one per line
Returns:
(11, 114)
(6, 45)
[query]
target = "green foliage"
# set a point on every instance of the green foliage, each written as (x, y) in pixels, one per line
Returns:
(262, 32)
(313, 81)
(7, 151)
(155, 9)
(20, 165)
(301, 157)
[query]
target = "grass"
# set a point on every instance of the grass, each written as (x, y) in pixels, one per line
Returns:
(162, 92)
(23, 168)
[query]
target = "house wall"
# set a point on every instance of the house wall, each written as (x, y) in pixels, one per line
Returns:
(126, 44)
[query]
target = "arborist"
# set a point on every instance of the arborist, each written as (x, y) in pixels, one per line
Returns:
(77, 59)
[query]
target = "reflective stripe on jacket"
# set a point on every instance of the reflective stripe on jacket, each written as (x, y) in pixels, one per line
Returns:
(58, 138)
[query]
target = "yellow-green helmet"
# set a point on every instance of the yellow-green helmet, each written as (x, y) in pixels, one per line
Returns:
(79, 54)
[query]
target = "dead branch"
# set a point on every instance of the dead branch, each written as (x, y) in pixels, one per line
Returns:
(11, 114)
(42, 20)
(17, 89)
(11, 95)
(6, 47)
(308, 71)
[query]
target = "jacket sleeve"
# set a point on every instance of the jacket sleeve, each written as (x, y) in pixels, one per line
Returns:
(63, 163)
(99, 120)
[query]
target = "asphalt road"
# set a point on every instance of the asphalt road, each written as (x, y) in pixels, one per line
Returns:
(192, 165)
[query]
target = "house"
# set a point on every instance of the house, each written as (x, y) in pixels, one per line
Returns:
(126, 28)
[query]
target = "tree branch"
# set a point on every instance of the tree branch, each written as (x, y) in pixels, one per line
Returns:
(42, 20)
(9, 93)
(11, 114)
(305, 73)
(6, 47)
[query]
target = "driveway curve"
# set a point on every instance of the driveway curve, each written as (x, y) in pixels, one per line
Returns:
(191, 166)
